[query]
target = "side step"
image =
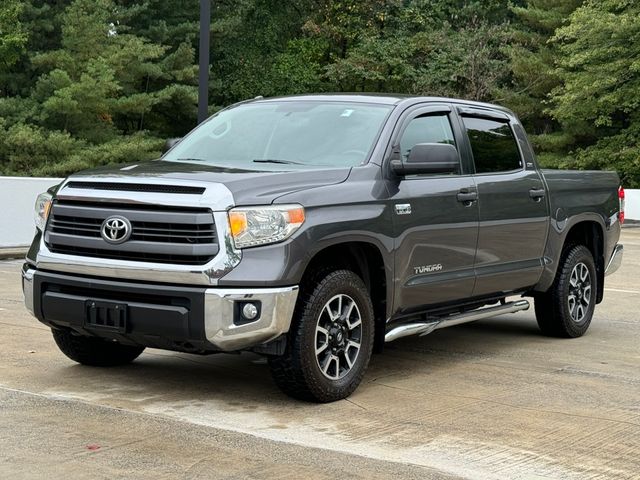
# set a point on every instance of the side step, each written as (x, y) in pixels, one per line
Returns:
(424, 328)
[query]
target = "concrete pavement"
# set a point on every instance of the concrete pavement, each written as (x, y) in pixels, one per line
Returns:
(489, 400)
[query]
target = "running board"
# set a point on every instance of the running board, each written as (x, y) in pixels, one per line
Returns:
(424, 328)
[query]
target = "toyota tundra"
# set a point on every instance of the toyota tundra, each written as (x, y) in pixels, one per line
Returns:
(314, 229)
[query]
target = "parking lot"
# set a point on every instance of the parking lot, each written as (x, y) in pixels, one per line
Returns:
(488, 400)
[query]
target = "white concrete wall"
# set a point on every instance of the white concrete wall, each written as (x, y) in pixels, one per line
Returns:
(18, 195)
(17, 199)
(632, 204)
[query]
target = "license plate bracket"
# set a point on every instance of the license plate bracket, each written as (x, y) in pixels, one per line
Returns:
(101, 315)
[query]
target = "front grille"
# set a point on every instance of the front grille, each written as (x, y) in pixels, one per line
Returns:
(137, 187)
(143, 231)
(158, 234)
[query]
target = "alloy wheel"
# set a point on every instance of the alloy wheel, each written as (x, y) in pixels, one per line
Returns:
(579, 297)
(338, 336)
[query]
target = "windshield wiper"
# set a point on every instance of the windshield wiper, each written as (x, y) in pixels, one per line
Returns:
(276, 160)
(259, 160)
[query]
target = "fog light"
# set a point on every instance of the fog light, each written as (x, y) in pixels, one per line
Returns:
(249, 311)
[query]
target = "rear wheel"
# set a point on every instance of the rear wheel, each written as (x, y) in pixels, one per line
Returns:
(330, 340)
(95, 351)
(566, 309)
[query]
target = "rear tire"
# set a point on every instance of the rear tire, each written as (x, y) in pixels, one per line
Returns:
(330, 341)
(566, 309)
(93, 351)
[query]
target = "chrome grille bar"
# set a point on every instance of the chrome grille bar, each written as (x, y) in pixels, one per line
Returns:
(159, 234)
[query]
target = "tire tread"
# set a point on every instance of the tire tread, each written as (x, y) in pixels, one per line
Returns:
(94, 351)
(289, 371)
(550, 310)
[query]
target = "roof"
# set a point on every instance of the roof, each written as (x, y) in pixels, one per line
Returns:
(380, 98)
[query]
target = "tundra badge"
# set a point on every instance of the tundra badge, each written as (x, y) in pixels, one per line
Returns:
(436, 267)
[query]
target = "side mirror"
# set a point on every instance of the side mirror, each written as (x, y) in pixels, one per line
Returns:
(169, 144)
(428, 158)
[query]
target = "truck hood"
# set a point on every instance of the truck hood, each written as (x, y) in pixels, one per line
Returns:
(248, 187)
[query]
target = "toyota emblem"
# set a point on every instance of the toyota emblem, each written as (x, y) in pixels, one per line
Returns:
(116, 230)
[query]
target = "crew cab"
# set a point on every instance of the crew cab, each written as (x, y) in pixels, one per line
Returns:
(313, 230)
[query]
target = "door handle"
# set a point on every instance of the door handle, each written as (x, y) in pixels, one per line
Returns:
(537, 194)
(467, 197)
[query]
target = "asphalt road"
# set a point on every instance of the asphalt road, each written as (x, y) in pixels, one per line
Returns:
(489, 400)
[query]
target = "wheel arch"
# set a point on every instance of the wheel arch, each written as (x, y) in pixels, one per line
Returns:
(587, 230)
(368, 261)
(590, 234)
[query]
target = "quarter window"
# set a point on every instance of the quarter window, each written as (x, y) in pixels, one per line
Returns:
(493, 145)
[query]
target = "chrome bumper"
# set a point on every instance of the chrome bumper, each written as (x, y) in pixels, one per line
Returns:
(615, 261)
(276, 310)
(27, 289)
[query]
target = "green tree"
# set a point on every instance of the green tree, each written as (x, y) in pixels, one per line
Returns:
(86, 82)
(40, 21)
(532, 60)
(597, 101)
(13, 38)
(257, 49)
(98, 85)
(437, 47)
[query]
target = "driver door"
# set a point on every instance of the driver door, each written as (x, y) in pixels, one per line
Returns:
(436, 218)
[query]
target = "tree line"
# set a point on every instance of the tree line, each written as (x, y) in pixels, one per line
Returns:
(93, 82)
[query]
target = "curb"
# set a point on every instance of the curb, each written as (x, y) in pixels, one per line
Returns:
(13, 253)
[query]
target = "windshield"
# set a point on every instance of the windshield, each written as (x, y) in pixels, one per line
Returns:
(285, 134)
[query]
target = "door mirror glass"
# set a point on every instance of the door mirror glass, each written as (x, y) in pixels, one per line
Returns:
(426, 158)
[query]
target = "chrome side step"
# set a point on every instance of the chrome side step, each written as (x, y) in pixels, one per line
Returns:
(424, 328)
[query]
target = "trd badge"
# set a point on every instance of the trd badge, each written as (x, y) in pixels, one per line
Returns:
(403, 208)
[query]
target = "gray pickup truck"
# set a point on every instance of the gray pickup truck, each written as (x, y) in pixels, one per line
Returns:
(313, 229)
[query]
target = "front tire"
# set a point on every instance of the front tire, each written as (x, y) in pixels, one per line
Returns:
(93, 351)
(330, 340)
(566, 309)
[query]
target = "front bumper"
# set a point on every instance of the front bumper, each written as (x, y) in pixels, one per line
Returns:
(171, 317)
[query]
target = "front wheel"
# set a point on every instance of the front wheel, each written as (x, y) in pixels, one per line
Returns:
(94, 351)
(566, 309)
(330, 340)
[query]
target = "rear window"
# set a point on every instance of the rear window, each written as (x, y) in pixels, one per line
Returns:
(493, 144)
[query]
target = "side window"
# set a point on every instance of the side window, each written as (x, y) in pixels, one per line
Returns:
(493, 145)
(426, 129)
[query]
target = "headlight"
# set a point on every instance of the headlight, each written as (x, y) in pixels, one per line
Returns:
(42, 207)
(253, 226)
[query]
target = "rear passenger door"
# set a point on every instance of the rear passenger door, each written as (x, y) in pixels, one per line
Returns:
(512, 200)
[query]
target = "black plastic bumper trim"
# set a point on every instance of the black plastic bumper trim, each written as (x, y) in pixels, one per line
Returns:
(160, 316)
